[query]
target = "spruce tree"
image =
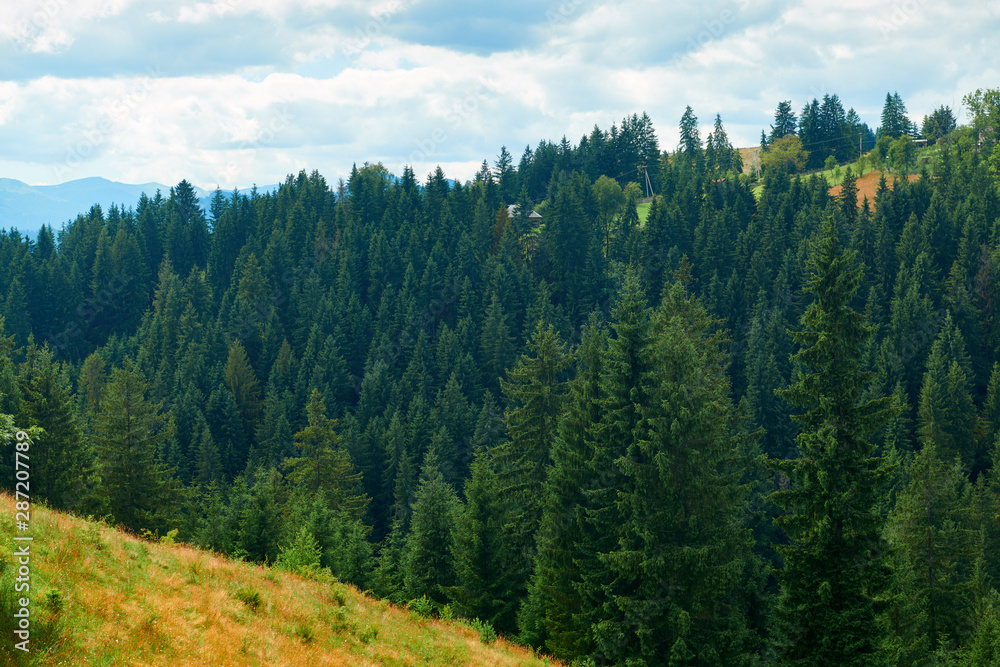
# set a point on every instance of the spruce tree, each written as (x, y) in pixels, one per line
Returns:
(208, 463)
(213, 531)
(535, 395)
(988, 427)
(136, 487)
(984, 647)
(690, 138)
(946, 413)
(427, 565)
(347, 551)
(259, 517)
(784, 121)
(341, 537)
(242, 382)
(848, 198)
(930, 529)
(834, 567)
(496, 344)
(487, 561)
(93, 378)
(681, 546)
(766, 340)
(324, 464)
(551, 614)
(301, 555)
(15, 312)
(624, 385)
(64, 475)
(227, 429)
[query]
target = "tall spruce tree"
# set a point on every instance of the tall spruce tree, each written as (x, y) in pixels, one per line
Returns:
(625, 384)
(324, 464)
(552, 613)
(946, 413)
(835, 566)
(681, 545)
(930, 529)
(690, 137)
(258, 518)
(894, 120)
(428, 566)
(487, 562)
(136, 487)
(848, 198)
(784, 121)
(496, 344)
(535, 395)
(64, 475)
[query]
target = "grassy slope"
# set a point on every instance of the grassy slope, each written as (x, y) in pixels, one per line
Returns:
(836, 177)
(101, 597)
(643, 211)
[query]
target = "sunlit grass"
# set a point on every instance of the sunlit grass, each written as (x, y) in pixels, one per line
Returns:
(643, 210)
(107, 598)
(835, 177)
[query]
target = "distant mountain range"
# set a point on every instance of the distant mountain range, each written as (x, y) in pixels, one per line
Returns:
(28, 207)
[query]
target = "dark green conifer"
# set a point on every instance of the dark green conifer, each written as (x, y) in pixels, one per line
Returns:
(259, 517)
(535, 394)
(552, 614)
(930, 529)
(625, 384)
(835, 566)
(946, 413)
(324, 464)
(428, 567)
(64, 475)
(487, 562)
(137, 489)
(496, 345)
(681, 547)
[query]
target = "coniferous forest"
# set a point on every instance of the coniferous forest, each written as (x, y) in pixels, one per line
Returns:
(745, 421)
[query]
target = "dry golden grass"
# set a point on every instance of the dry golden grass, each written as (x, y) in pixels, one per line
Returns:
(126, 601)
(747, 155)
(868, 185)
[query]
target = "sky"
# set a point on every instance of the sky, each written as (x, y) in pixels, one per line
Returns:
(229, 93)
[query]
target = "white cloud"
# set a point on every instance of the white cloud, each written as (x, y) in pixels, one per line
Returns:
(49, 26)
(250, 90)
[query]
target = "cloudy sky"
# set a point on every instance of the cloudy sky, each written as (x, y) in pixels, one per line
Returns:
(236, 92)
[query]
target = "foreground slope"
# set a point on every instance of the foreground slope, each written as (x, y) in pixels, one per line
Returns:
(102, 597)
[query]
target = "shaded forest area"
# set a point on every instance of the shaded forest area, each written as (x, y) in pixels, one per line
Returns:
(748, 431)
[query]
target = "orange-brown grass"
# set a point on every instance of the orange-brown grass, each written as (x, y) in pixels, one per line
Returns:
(868, 184)
(747, 155)
(126, 601)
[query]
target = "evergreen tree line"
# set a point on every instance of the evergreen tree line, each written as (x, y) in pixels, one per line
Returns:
(746, 431)
(824, 131)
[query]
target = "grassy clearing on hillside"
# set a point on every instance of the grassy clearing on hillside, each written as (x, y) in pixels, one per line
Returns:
(835, 177)
(100, 597)
(868, 185)
(643, 211)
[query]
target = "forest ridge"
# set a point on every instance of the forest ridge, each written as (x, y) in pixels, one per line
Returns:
(743, 421)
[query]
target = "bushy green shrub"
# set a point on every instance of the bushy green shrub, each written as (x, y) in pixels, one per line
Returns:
(250, 597)
(421, 605)
(487, 634)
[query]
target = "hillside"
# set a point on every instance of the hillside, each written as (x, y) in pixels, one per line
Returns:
(102, 597)
(746, 154)
(868, 185)
(576, 429)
